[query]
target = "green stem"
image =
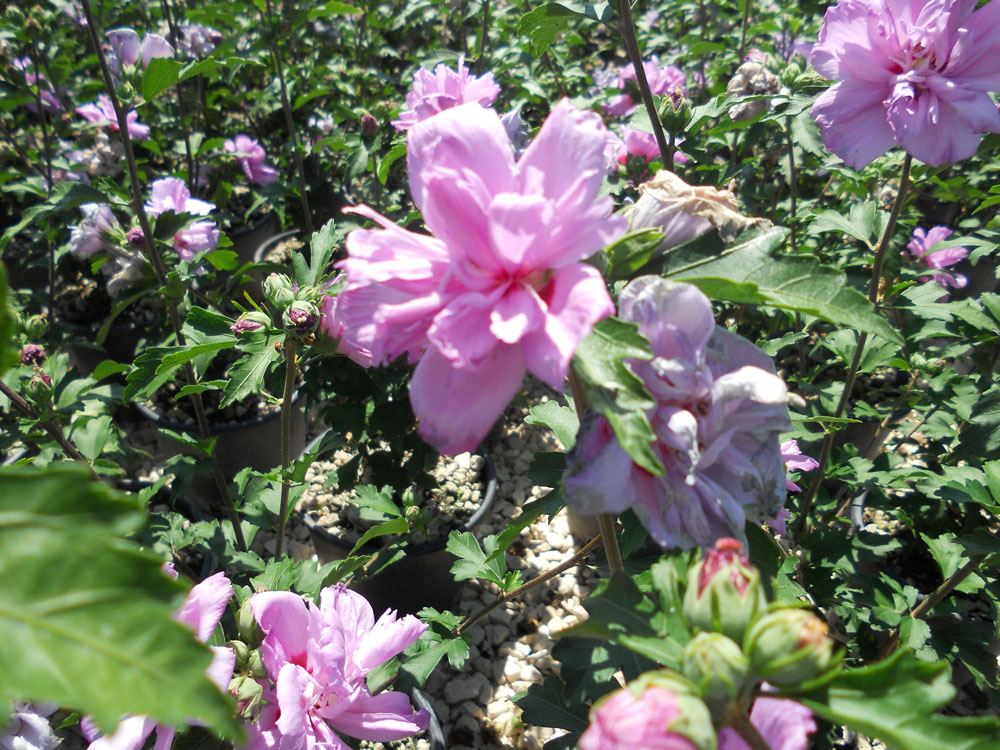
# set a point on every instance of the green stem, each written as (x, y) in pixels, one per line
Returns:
(744, 728)
(606, 521)
(155, 259)
(286, 441)
(513, 594)
(635, 56)
(483, 35)
(852, 371)
(743, 30)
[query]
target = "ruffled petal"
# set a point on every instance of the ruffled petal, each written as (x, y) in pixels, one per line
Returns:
(382, 718)
(205, 605)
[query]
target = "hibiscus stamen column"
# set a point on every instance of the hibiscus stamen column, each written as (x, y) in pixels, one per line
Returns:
(154, 258)
(852, 371)
(632, 47)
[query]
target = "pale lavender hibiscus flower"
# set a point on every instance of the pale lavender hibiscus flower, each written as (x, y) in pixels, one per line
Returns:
(784, 725)
(500, 287)
(443, 89)
(662, 79)
(318, 658)
(127, 50)
(46, 94)
(719, 410)
(201, 610)
(921, 246)
(639, 143)
(171, 194)
(913, 73)
(96, 232)
(251, 156)
(28, 728)
(102, 113)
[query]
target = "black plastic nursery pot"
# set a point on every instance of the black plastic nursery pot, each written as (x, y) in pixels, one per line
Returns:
(249, 237)
(252, 442)
(120, 344)
(422, 578)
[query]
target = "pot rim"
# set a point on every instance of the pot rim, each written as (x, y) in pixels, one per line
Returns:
(485, 505)
(154, 416)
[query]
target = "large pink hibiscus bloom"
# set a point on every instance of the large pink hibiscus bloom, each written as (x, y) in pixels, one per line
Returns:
(501, 286)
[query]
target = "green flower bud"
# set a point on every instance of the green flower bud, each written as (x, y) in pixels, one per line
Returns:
(39, 389)
(724, 592)
(789, 646)
(278, 290)
(36, 327)
(249, 630)
(693, 721)
(126, 93)
(242, 652)
(255, 666)
(301, 318)
(675, 111)
(250, 321)
(718, 667)
(248, 693)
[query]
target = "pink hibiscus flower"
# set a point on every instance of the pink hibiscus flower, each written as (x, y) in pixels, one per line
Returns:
(318, 658)
(666, 79)
(251, 156)
(920, 247)
(171, 194)
(626, 722)
(500, 287)
(443, 89)
(102, 113)
(914, 73)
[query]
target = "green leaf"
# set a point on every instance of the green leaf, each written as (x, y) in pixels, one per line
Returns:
(946, 551)
(279, 575)
(894, 701)
(475, 561)
(981, 436)
(156, 366)
(377, 504)
(392, 526)
(160, 74)
(420, 665)
(322, 247)
(750, 272)
(546, 469)
(223, 260)
(246, 376)
(614, 390)
(396, 152)
(546, 705)
(543, 23)
(562, 420)
(87, 619)
(863, 223)
(7, 354)
(628, 254)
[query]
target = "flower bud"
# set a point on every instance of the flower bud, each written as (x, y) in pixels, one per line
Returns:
(675, 110)
(647, 713)
(301, 318)
(724, 592)
(248, 694)
(246, 625)
(32, 354)
(136, 239)
(242, 652)
(717, 666)
(39, 388)
(255, 666)
(36, 327)
(250, 321)
(789, 646)
(279, 290)
(369, 124)
(126, 93)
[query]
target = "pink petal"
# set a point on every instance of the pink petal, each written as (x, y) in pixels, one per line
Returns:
(576, 299)
(205, 605)
(382, 718)
(164, 737)
(853, 123)
(599, 476)
(295, 688)
(124, 45)
(570, 142)
(519, 312)
(220, 671)
(389, 637)
(462, 333)
(131, 734)
(464, 138)
(285, 621)
(457, 407)
(154, 46)
(518, 225)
